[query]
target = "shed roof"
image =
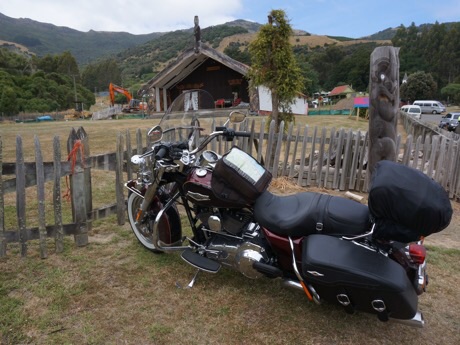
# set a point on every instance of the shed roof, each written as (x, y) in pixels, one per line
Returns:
(338, 90)
(187, 62)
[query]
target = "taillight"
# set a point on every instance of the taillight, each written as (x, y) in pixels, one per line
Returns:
(417, 253)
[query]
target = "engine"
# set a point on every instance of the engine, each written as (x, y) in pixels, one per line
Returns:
(232, 221)
(238, 254)
(234, 239)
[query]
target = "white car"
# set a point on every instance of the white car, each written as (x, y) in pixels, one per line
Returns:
(413, 110)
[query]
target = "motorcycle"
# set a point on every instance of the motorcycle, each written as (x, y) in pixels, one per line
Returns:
(362, 257)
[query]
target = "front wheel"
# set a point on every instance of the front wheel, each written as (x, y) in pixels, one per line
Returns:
(142, 229)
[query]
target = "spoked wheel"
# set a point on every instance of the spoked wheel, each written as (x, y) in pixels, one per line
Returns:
(142, 229)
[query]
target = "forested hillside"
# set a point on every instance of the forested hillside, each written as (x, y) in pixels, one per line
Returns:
(43, 39)
(46, 82)
(31, 84)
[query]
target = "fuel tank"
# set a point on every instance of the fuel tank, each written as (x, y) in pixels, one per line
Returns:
(198, 190)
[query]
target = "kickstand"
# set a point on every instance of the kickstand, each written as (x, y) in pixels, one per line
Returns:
(190, 285)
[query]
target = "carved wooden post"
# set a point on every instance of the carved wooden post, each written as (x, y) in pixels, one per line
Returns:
(197, 33)
(77, 188)
(383, 105)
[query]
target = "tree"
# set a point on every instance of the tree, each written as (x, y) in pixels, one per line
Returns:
(99, 75)
(8, 101)
(420, 85)
(66, 64)
(274, 64)
(452, 92)
(237, 51)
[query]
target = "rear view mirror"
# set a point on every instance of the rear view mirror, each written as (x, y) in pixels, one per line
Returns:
(155, 134)
(236, 117)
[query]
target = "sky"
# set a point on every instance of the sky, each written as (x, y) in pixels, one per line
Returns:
(350, 18)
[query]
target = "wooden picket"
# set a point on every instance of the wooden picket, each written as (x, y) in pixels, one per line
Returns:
(17, 177)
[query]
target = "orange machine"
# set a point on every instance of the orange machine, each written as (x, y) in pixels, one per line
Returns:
(134, 105)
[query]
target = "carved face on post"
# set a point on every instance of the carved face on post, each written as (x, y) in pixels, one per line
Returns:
(386, 79)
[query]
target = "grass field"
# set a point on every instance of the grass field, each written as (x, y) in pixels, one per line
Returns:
(103, 134)
(115, 292)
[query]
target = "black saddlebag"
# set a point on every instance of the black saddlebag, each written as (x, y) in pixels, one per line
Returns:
(406, 204)
(359, 279)
(238, 177)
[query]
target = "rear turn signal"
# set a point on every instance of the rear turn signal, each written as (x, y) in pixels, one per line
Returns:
(417, 253)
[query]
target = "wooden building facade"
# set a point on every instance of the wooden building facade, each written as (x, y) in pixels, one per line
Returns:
(200, 68)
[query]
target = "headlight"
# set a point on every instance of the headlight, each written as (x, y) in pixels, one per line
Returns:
(138, 163)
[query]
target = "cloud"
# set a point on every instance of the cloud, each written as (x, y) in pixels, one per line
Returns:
(140, 16)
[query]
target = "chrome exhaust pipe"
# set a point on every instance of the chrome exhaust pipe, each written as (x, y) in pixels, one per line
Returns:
(417, 321)
(292, 284)
(296, 285)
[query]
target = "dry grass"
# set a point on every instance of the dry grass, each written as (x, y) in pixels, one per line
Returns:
(311, 41)
(103, 134)
(115, 292)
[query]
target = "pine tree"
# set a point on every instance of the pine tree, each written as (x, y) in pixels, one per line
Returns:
(274, 65)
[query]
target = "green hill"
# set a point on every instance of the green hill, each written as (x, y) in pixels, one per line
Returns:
(43, 39)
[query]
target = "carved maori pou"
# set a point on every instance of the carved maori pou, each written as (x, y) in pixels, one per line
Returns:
(383, 105)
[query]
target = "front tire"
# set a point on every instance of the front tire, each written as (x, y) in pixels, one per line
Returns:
(142, 229)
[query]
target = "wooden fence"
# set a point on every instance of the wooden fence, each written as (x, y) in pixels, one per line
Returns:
(20, 176)
(334, 158)
(309, 156)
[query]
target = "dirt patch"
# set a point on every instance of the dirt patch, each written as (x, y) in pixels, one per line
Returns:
(450, 236)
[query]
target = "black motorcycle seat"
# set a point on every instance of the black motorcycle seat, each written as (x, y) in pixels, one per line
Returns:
(307, 213)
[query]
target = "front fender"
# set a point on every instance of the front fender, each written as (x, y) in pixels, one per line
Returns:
(169, 227)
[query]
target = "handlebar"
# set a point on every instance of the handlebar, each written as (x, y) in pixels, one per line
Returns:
(161, 153)
(229, 133)
(242, 134)
(171, 149)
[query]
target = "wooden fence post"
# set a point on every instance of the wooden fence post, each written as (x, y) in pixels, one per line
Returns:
(312, 155)
(57, 200)
(2, 207)
(383, 105)
(286, 149)
(77, 188)
(39, 170)
(83, 137)
(302, 156)
(119, 181)
(129, 154)
(21, 195)
(276, 154)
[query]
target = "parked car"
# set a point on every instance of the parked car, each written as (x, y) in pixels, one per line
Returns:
(445, 120)
(413, 110)
(453, 123)
(431, 107)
